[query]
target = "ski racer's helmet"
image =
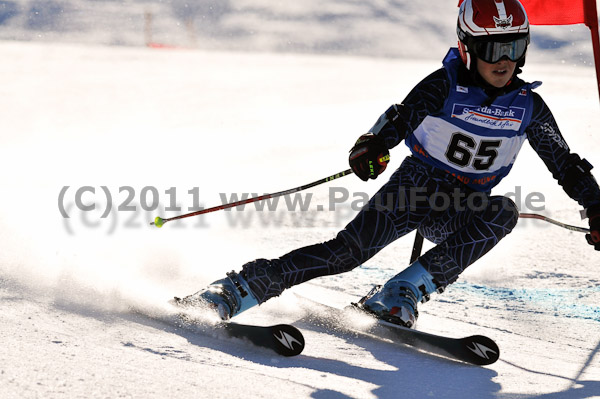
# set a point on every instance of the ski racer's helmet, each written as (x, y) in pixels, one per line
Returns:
(492, 30)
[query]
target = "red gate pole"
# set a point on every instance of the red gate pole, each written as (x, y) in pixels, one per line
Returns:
(591, 20)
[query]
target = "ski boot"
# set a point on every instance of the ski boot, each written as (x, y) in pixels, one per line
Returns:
(397, 300)
(229, 296)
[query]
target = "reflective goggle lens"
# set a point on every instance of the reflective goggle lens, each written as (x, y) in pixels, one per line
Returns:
(492, 52)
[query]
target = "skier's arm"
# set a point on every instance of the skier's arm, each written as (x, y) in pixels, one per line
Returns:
(572, 172)
(400, 120)
(369, 156)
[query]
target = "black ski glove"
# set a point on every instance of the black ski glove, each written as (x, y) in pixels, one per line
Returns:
(593, 213)
(369, 156)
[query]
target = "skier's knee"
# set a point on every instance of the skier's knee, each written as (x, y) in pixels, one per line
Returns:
(502, 211)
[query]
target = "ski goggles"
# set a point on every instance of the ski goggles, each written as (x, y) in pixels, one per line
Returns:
(492, 52)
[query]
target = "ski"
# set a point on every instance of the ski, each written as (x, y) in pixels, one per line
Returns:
(284, 339)
(476, 349)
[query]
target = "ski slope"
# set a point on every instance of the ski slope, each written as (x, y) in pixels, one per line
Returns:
(229, 123)
(192, 127)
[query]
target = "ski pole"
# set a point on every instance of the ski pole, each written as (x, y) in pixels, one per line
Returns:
(417, 248)
(159, 222)
(554, 222)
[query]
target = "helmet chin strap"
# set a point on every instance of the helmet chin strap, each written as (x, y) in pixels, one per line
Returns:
(465, 54)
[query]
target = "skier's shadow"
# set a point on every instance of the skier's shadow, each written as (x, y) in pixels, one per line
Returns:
(404, 373)
(409, 373)
(414, 374)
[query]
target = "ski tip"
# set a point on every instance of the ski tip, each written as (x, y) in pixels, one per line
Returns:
(481, 349)
(288, 340)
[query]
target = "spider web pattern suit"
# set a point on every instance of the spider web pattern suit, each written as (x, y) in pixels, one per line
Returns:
(413, 199)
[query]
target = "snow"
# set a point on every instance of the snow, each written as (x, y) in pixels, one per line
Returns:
(215, 122)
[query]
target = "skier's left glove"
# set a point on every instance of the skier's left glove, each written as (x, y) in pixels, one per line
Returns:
(369, 156)
(593, 213)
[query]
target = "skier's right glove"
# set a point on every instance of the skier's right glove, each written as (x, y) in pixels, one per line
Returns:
(593, 213)
(369, 156)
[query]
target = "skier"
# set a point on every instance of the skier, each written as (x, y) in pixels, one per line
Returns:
(464, 124)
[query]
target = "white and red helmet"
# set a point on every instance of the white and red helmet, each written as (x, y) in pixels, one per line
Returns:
(492, 30)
